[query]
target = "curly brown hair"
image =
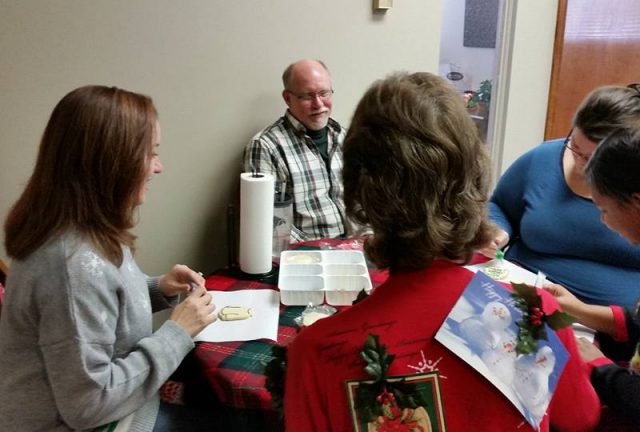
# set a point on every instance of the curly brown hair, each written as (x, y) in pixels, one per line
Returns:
(91, 165)
(417, 173)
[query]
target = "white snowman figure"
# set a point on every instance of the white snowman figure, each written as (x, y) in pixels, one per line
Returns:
(496, 316)
(479, 336)
(490, 336)
(502, 359)
(531, 381)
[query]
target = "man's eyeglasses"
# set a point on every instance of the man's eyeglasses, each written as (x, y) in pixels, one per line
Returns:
(576, 153)
(322, 94)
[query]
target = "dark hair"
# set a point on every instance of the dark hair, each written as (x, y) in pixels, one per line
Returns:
(286, 75)
(91, 165)
(614, 168)
(606, 109)
(416, 172)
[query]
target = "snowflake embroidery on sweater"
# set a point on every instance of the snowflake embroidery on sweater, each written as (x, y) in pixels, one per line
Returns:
(93, 264)
(143, 301)
(427, 365)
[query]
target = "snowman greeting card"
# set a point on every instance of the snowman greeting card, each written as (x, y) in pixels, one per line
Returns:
(508, 339)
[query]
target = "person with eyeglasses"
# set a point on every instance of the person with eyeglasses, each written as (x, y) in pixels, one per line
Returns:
(614, 177)
(303, 150)
(546, 215)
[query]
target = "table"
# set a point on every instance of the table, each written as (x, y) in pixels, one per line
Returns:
(228, 378)
(233, 372)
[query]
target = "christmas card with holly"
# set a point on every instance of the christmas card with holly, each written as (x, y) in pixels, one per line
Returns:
(508, 338)
(393, 403)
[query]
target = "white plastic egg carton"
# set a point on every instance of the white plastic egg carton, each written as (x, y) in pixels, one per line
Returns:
(334, 276)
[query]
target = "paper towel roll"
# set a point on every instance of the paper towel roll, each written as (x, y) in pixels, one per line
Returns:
(256, 222)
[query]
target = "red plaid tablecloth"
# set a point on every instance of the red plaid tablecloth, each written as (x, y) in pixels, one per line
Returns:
(235, 370)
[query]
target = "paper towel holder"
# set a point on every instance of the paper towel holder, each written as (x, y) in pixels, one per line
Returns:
(233, 265)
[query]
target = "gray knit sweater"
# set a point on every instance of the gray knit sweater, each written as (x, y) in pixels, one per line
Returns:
(76, 345)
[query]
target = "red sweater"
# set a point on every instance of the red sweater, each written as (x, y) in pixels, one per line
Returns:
(406, 312)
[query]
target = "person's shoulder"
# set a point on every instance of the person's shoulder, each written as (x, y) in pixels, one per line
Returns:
(541, 154)
(58, 249)
(307, 339)
(546, 147)
(322, 331)
(551, 146)
(50, 264)
(276, 132)
(335, 126)
(276, 125)
(546, 154)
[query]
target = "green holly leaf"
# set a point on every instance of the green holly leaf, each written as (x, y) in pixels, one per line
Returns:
(558, 320)
(539, 332)
(373, 356)
(365, 403)
(374, 370)
(528, 293)
(376, 357)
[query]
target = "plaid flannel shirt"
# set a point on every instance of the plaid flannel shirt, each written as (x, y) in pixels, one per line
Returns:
(286, 151)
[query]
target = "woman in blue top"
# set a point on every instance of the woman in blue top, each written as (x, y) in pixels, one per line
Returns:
(615, 179)
(543, 206)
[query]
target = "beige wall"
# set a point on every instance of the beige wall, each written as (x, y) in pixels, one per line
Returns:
(213, 69)
(528, 80)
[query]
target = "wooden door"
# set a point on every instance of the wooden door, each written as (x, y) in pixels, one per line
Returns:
(597, 42)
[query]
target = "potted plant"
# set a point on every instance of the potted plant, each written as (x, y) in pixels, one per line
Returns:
(478, 101)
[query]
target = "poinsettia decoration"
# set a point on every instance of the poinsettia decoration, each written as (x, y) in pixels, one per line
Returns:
(531, 327)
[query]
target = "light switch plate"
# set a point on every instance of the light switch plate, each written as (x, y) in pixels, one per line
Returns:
(382, 4)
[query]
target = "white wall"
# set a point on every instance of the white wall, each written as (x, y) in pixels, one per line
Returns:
(213, 68)
(476, 64)
(529, 79)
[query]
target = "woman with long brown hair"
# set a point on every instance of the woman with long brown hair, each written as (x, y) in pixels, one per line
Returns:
(77, 350)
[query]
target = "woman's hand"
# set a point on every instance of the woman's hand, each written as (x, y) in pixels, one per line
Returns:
(180, 279)
(599, 318)
(588, 351)
(195, 312)
(499, 241)
(567, 301)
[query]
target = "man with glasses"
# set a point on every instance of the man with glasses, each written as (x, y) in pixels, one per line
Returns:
(303, 150)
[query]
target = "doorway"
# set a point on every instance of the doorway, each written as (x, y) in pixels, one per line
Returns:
(475, 57)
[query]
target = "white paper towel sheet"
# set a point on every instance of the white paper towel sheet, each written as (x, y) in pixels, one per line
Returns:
(265, 309)
(256, 222)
